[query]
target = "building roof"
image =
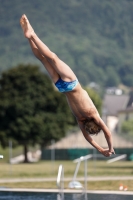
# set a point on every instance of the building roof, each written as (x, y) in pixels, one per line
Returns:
(77, 140)
(127, 110)
(114, 103)
(130, 101)
(129, 106)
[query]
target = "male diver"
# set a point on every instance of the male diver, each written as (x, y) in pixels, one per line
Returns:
(66, 81)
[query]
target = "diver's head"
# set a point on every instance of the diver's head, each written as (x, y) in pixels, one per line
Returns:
(91, 127)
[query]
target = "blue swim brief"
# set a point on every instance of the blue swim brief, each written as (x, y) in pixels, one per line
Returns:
(64, 86)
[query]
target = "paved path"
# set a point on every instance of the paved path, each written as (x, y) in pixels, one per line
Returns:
(49, 179)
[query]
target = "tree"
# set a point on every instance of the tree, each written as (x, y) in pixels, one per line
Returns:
(31, 110)
(127, 129)
(112, 77)
(88, 35)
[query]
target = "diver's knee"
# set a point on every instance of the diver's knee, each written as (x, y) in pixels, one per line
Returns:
(53, 57)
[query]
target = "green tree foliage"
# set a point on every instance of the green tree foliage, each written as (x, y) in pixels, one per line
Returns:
(89, 35)
(31, 110)
(127, 129)
(112, 77)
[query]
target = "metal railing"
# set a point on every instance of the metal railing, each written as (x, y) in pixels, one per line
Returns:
(120, 157)
(73, 182)
(1, 156)
(60, 183)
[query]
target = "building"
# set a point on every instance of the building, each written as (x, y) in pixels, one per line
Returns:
(126, 113)
(112, 104)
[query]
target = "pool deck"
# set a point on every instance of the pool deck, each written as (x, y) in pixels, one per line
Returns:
(65, 191)
(4, 189)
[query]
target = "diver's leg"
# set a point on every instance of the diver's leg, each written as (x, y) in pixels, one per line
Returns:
(52, 72)
(61, 68)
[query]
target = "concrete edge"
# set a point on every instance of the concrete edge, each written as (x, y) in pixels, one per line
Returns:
(66, 191)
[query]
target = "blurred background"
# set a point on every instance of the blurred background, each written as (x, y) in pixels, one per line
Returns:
(95, 38)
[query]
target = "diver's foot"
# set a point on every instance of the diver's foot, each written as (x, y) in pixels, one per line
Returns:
(27, 28)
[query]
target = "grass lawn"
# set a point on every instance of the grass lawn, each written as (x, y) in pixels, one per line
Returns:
(47, 169)
(50, 169)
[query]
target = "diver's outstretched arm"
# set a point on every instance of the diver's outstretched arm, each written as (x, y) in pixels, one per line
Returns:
(105, 152)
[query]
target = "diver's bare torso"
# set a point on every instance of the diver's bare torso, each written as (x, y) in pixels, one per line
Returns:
(81, 104)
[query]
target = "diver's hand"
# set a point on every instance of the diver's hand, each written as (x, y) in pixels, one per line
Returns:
(106, 152)
(112, 151)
